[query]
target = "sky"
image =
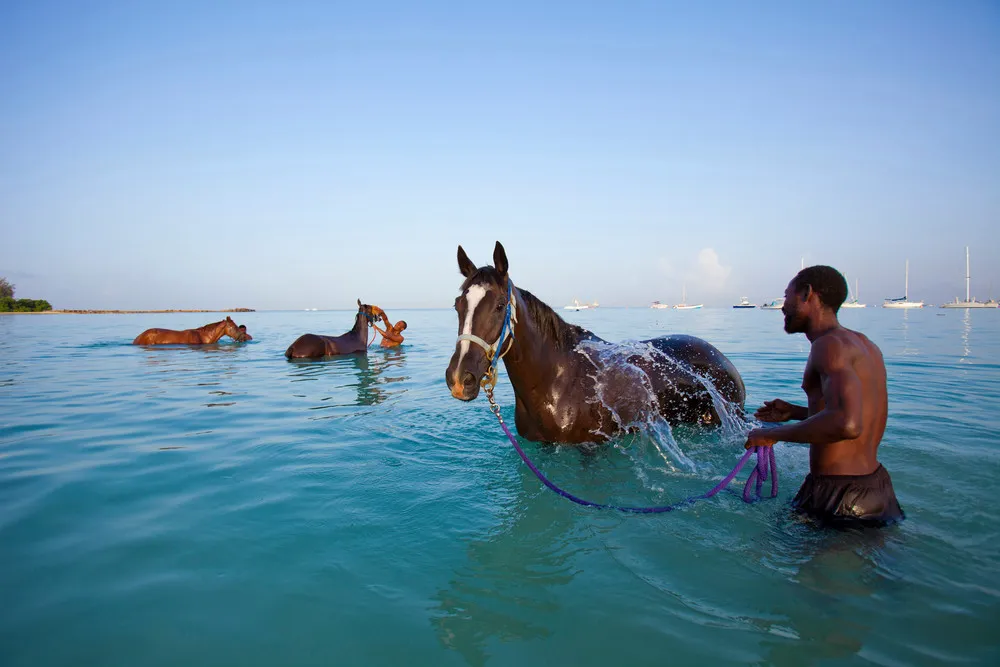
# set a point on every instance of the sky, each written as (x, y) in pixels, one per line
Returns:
(306, 154)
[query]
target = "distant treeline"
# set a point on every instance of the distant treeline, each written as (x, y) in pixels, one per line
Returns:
(9, 304)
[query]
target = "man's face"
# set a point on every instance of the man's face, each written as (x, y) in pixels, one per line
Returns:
(796, 317)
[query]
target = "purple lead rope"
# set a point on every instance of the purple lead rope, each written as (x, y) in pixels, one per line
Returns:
(765, 460)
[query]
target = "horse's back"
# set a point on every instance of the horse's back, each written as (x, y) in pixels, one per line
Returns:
(161, 337)
(309, 346)
(681, 385)
(706, 360)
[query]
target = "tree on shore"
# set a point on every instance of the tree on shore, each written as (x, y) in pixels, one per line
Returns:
(8, 304)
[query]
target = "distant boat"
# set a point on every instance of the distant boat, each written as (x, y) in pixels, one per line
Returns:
(657, 304)
(904, 301)
(774, 305)
(969, 302)
(576, 305)
(683, 305)
(853, 303)
(309, 309)
(744, 303)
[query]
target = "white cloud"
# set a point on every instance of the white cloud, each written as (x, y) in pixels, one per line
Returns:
(711, 274)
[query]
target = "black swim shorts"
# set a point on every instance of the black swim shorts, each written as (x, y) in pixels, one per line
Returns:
(850, 499)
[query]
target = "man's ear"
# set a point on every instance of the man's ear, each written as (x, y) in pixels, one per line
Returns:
(465, 265)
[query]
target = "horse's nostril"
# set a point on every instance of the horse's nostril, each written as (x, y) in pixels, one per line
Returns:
(468, 379)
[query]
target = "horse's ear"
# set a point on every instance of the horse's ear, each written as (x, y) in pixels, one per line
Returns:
(359, 304)
(465, 265)
(500, 259)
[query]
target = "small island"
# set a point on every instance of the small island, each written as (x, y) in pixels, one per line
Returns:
(8, 304)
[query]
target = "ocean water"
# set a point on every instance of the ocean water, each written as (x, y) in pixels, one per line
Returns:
(224, 506)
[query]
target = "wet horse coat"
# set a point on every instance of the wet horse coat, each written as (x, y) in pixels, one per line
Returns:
(210, 333)
(571, 386)
(355, 341)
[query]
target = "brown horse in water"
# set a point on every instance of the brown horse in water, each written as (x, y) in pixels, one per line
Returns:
(571, 386)
(210, 333)
(310, 346)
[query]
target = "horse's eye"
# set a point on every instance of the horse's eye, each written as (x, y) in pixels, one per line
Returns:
(500, 307)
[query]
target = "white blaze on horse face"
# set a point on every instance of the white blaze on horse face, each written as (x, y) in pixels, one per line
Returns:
(473, 296)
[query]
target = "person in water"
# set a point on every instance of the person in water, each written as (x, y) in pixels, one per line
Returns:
(845, 384)
(393, 334)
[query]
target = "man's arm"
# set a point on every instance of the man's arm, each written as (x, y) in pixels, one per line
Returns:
(840, 418)
(781, 411)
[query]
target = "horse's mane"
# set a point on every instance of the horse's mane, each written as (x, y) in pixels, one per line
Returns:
(559, 332)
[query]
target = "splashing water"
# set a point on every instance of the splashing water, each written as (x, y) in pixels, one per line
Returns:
(638, 411)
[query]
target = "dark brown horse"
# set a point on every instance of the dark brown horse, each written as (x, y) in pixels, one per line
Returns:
(571, 386)
(310, 346)
(210, 333)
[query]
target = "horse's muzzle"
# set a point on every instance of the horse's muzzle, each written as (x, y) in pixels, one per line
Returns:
(465, 387)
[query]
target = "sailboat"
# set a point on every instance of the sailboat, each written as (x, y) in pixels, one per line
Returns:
(903, 301)
(683, 305)
(969, 302)
(853, 303)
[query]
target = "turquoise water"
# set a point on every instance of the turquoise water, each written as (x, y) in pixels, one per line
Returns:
(223, 506)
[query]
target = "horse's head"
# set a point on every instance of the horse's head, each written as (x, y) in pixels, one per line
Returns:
(482, 311)
(237, 332)
(370, 312)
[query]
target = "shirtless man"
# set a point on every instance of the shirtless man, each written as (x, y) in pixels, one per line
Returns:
(392, 336)
(845, 384)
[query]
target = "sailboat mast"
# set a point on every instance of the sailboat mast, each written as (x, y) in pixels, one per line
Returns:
(856, 295)
(967, 274)
(906, 284)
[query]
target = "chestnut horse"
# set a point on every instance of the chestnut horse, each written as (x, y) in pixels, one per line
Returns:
(310, 346)
(570, 386)
(210, 333)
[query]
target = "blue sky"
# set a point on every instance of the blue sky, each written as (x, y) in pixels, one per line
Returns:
(297, 155)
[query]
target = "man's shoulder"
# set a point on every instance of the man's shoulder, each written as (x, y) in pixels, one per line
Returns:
(842, 346)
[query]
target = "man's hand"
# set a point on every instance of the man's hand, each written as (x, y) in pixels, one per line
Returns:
(759, 438)
(775, 411)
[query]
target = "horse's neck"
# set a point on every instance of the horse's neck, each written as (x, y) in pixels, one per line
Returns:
(213, 331)
(533, 361)
(360, 327)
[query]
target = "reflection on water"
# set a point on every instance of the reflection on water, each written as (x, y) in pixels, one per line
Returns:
(908, 348)
(834, 574)
(181, 366)
(369, 377)
(506, 588)
(966, 331)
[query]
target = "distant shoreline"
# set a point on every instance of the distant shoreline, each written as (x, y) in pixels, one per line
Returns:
(133, 312)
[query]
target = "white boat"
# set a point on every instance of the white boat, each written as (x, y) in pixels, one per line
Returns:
(657, 304)
(576, 305)
(683, 305)
(774, 305)
(969, 302)
(853, 303)
(744, 303)
(903, 301)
